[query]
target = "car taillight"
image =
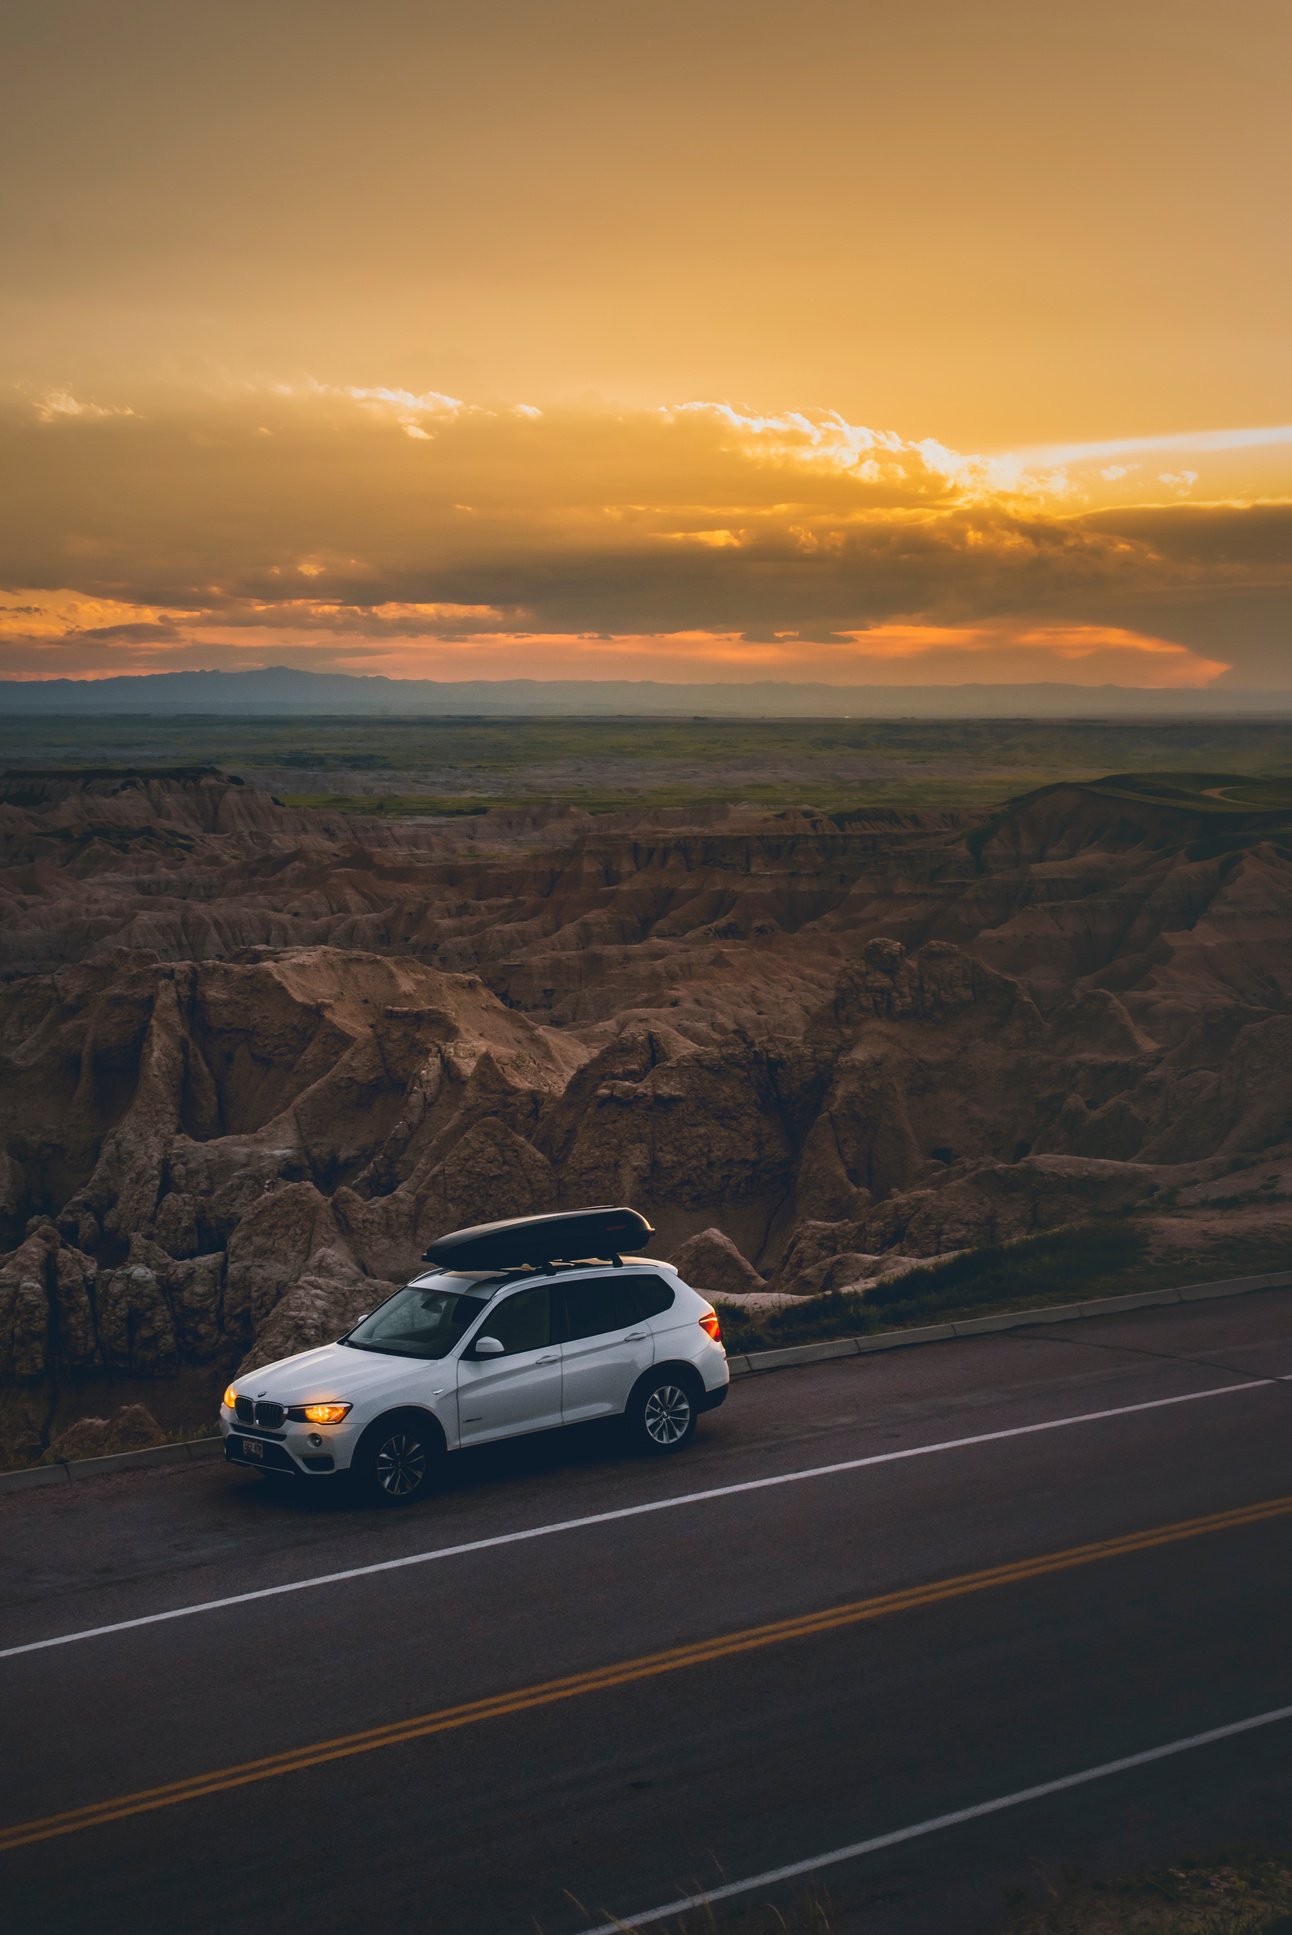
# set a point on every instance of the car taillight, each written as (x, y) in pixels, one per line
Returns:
(711, 1324)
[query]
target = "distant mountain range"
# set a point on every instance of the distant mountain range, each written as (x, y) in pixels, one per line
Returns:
(278, 690)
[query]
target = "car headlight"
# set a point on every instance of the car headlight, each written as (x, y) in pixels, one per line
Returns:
(230, 1398)
(324, 1413)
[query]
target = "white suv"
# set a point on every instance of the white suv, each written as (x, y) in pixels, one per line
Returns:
(462, 1357)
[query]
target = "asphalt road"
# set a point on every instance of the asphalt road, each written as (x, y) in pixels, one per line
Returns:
(775, 1647)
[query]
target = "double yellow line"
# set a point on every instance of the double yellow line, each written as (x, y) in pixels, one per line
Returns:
(647, 1666)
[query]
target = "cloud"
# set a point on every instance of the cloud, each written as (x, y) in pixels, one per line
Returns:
(428, 642)
(57, 405)
(1250, 437)
(409, 529)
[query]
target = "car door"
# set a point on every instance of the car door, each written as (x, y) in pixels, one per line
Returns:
(499, 1397)
(605, 1346)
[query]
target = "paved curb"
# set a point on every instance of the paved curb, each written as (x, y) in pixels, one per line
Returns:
(743, 1364)
(79, 1469)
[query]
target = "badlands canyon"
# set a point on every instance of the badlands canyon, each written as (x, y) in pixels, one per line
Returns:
(253, 1057)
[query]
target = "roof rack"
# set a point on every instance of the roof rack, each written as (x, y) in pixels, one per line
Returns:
(535, 1242)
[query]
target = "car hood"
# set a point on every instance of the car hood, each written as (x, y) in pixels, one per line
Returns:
(332, 1371)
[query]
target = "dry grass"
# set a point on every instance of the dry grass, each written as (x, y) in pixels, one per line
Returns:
(1076, 1263)
(1237, 1894)
(809, 1916)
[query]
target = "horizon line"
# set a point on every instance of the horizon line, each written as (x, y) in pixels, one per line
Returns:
(1213, 688)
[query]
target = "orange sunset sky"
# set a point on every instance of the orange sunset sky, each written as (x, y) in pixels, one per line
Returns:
(901, 344)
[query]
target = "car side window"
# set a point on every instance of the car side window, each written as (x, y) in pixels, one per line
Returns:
(522, 1322)
(597, 1304)
(652, 1296)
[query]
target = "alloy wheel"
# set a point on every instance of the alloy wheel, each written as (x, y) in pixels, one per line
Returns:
(667, 1415)
(401, 1464)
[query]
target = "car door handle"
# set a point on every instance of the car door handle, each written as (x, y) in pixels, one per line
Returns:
(553, 1357)
(635, 1337)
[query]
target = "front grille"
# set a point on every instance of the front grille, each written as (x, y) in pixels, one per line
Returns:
(268, 1416)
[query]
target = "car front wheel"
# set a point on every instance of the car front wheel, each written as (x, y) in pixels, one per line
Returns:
(663, 1414)
(398, 1462)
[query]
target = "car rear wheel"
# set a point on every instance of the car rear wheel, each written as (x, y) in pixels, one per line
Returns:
(662, 1416)
(398, 1461)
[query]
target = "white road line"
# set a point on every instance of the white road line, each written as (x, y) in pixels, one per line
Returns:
(793, 1869)
(628, 1511)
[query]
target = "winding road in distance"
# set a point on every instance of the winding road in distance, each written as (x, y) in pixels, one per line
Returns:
(577, 1686)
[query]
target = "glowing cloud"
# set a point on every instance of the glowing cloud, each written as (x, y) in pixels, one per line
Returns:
(351, 525)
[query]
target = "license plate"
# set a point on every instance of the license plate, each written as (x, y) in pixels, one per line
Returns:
(252, 1448)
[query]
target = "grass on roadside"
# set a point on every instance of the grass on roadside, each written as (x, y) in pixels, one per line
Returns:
(1108, 1258)
(1240, 1893)
(809, 1916)
(1061, 1266)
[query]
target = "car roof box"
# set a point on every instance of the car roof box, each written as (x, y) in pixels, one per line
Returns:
(531, 1242)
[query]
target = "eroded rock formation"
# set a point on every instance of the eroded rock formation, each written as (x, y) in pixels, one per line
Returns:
(251, 1060)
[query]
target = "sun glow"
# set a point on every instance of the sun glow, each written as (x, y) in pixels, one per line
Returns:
(508, 543)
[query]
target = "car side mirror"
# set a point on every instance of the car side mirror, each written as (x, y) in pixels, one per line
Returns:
(488, 1347)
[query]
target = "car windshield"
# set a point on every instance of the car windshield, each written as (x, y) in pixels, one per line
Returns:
(418, 1323)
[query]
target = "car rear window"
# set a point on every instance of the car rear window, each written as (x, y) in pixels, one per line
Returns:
(597, 1304)
(653, 1296)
